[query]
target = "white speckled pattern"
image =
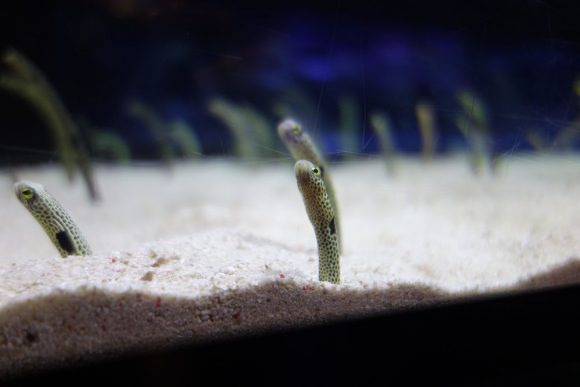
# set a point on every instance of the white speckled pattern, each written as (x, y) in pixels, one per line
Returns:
(321, 215)
(57, 223)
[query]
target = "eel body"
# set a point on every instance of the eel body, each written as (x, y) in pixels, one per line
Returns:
(322, 216)
(54, 219)
(302, 147)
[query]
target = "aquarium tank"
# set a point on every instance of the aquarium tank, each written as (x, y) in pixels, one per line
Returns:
(185, 173)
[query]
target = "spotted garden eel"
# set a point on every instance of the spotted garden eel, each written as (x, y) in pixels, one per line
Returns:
(321, 214)
(302, 147)
(57, 223)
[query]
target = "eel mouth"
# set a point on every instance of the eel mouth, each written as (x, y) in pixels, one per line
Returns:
(18, 187)
(286, 130)
(303, 169)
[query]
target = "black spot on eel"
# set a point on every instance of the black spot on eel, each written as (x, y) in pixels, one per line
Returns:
(321, 214)
(301, 147)
(54, 219)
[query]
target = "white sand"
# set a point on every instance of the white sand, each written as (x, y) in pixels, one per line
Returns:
(220, 248)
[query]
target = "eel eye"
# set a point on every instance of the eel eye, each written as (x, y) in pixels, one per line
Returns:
(27, 193)
(296, 130)
(316, 171)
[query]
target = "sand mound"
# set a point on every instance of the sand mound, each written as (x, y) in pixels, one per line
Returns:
(219, 248)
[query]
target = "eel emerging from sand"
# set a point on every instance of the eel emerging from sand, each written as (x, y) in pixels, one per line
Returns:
(322, 216)
(57, 223)
(302, 147)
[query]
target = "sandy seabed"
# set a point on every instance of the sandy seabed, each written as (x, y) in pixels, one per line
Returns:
(219, 248)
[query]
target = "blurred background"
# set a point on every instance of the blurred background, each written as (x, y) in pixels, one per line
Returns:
(127, 69)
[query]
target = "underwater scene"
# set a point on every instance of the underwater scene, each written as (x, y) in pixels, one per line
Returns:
(172, 171)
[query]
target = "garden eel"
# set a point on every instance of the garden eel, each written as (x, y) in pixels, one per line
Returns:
(57, 223)
(321, 214)
(302, 147)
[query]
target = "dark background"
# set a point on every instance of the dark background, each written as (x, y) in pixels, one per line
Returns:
(520, 57)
